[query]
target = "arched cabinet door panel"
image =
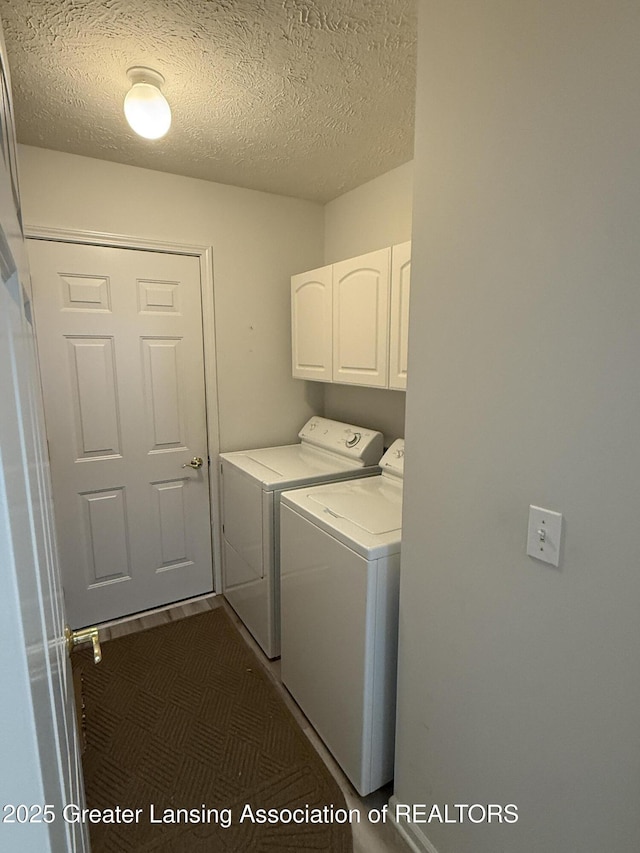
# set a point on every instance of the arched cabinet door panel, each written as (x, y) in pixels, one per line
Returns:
(399, 317)
(361, 319)
(311, 324)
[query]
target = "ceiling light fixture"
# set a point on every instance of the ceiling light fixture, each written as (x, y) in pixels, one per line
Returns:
(145, 107)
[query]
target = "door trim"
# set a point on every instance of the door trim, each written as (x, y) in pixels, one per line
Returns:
(205, 256)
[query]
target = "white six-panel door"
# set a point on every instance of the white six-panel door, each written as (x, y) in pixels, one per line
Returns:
(120, 346)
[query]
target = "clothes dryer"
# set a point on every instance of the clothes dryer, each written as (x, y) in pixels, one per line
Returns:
(340, 575)
(252, 482)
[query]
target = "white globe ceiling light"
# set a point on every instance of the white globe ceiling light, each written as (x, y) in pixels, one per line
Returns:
(145, 107)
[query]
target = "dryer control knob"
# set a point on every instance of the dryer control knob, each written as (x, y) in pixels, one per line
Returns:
(353, 439)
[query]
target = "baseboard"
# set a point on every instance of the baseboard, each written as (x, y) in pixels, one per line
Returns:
(417, 842)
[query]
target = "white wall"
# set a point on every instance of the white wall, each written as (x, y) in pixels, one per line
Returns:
(520, 682)
(259, 240)
(374, 215)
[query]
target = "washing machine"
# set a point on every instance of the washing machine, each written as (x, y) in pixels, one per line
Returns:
(340, 575)
(252, 482)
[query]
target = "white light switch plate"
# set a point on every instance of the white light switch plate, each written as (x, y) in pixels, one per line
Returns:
(545, 530)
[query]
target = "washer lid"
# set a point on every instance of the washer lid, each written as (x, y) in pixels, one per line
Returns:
(370, 505)
(292, 464)
(364, 514)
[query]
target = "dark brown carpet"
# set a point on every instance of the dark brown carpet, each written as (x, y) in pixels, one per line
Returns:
(183, 715)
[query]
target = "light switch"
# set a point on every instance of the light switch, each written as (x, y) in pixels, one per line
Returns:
(545, 530)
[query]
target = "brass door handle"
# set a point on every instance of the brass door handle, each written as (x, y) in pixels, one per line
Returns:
(196, 463)
(87, 635)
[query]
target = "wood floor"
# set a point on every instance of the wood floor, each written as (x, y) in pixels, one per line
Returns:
(367, 837)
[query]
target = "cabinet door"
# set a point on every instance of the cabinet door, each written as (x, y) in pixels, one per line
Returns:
(311, 320)
(399, 321)
(361, 319)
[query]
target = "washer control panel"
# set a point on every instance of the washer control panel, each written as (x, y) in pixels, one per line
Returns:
(393, 460)
(354, 442)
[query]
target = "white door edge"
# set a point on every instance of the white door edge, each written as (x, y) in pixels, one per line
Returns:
(205, 256)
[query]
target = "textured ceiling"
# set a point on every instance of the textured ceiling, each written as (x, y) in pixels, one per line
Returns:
(308, 98)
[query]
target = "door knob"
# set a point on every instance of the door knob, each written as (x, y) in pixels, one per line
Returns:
(87, 635)
(196, 463)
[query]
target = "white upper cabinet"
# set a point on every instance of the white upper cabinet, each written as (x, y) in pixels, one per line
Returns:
(349, 321)
(311, 324)
(399, 318)
(361, 319)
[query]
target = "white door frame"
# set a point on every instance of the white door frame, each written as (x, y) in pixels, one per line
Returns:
(205, 256)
